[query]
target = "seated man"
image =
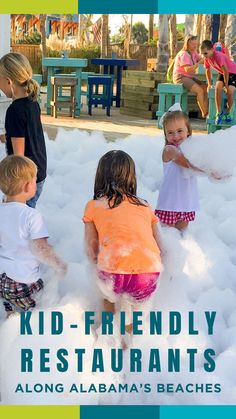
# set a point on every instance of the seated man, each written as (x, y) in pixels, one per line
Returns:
(226, 79)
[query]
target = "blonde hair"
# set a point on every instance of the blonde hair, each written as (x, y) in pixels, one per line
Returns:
(15, 171)
(17, 68)
(186, 41)
(173, 116)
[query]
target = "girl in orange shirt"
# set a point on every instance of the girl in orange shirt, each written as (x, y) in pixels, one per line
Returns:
(121, 234)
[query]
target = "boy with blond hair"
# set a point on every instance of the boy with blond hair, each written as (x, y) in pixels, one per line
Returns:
(23, 237)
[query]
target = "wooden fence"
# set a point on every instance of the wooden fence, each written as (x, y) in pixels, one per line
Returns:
(138, 52)
(32, 52)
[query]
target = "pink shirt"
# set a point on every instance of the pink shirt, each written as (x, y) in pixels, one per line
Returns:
(218, 60)
(182, 59)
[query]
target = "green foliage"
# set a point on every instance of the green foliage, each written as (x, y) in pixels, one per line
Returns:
(119, 37)
(35, 39)
(139, 33)
(91, 51)
(152, 42)
(180, 31)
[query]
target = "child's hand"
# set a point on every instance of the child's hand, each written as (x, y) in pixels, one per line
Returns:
(217, 176)
(3, 138)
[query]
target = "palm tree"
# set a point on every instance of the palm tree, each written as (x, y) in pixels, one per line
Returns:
(206, 24)
(173, 36)
(150, 27)
(230, 34)
(189, 24)
(162, 47)
(223, 24)
(197, 25)
(42, 20)
(105, 44)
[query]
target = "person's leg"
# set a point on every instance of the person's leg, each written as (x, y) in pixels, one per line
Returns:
(202, 99)
(32, 202)
(218, 96)
(108, 306)
(231, 90)
(181, 225)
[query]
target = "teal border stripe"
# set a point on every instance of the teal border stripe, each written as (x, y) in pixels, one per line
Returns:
(119, 412)
(120, 6)
(199, 6)
(196, 412)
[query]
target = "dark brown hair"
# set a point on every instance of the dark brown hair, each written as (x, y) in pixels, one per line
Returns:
(116, 179)
(173, 116)
(206, 44)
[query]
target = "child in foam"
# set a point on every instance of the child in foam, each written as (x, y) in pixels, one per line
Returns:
(121, 234)
(226, 68)
(23, 237)
(178, 195)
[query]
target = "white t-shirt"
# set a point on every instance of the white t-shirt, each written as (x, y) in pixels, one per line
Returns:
(19, 224)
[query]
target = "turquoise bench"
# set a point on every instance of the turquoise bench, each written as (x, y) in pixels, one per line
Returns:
(211, 125)
(169, 94)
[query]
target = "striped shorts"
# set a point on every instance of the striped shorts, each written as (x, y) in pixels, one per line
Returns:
(17, 296)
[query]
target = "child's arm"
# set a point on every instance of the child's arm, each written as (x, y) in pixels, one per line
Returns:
(18, 145)
(226, 76)
(209, 78)
(46, 254)
(91, 241)
(172, 153)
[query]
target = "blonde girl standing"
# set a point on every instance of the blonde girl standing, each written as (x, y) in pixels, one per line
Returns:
(24, 132)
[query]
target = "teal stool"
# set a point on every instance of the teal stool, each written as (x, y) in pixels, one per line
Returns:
(169, 94)
(211, 125)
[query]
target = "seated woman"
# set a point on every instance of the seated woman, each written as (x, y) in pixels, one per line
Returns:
(185, 66)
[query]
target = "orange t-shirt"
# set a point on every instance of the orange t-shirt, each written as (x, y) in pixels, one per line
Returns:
(126, 242)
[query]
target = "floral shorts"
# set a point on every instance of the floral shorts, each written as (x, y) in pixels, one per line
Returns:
(171, 217)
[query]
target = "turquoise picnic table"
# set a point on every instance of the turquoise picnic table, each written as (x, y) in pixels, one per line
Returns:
(55, 64)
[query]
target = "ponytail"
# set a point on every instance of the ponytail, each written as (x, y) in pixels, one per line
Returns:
(32, 89)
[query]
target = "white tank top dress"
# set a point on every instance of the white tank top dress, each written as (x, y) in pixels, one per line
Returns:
(178, 191)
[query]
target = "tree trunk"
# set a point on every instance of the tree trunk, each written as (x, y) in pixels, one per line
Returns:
(173, 37)
(105, 44)
(13, 29)
(150, 27)
(189, 24)
(230, 35)
(206, 24)
(197, 25)
(223, 24)
(162, 47)
(42, 19)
